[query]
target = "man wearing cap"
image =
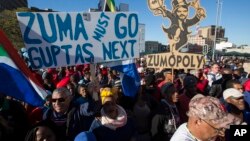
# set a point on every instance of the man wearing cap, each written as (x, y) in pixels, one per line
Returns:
(235, 102)
(236, 106)
(207, 119)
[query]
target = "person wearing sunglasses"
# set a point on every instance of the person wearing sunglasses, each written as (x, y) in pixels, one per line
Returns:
(235, 102)
(207, 120)
(65, 114)
(235, 105)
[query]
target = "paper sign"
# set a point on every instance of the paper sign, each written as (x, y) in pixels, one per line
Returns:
(55, 39)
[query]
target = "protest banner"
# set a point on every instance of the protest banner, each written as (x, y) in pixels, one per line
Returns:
(55, 39)
(177, 33)
(178, 30)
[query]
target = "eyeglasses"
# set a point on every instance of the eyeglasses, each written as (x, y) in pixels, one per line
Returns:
(60, 100)
(218, 130)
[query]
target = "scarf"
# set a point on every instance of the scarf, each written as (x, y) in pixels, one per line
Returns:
(113, 124)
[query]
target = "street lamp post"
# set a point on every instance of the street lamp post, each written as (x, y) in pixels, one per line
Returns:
(218, 14)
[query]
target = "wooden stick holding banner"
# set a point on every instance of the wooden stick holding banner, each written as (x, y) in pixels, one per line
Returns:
(93, 71)
(93, 68)
(172, 75)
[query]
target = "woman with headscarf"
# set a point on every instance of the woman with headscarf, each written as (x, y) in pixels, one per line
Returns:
(113, 123)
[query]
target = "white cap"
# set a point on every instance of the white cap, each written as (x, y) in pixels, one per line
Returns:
(232, 92)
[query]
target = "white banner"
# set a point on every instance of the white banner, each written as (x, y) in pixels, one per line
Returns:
(55, 39)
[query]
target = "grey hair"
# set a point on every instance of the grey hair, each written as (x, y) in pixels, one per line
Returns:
(62, 90)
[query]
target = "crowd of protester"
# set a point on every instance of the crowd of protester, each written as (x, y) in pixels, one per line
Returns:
(170, 105)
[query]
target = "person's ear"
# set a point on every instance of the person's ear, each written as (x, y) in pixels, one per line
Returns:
(101, 89)
(228, 100)
(198, 121)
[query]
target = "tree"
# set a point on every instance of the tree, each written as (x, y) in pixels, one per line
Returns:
(9, 24)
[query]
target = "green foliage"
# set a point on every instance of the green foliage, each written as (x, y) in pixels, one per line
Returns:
(9, 24)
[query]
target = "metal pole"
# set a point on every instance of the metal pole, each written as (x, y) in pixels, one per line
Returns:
(215, 34)
(104, 7)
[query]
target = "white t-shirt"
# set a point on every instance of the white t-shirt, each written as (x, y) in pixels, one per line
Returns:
(183, 134)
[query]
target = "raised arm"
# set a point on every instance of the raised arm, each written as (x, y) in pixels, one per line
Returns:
(159, 8)
(199, 15)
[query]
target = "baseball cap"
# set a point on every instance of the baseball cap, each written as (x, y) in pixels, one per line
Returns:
(232, 92)
(210, 108)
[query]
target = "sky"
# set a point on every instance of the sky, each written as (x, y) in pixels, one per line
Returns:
(235, 16)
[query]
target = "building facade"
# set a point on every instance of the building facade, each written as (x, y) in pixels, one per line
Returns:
(208, 32)
(155, 47)
(206, 36)
(142, 37)
(151, 47)
(199, 40)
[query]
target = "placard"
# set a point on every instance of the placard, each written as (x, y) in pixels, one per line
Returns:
(55, 39)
